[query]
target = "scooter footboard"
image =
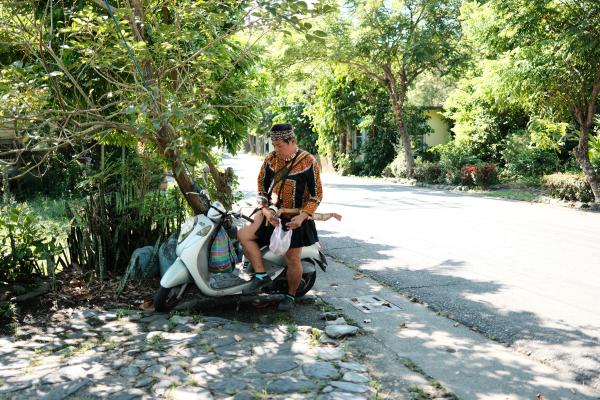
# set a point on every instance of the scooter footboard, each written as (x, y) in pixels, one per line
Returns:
(176, 275)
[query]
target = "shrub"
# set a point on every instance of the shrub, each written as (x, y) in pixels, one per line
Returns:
(567, 186)
(428, 172)
(452, 158)
(397, 168)
(56, 177)
(483, 175)
(28, 245)
(522, 160)
(379, 151)
(109, 226)
(343, 163)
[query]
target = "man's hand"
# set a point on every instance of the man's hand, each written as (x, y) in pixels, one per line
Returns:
(270, 216)
(297, 221)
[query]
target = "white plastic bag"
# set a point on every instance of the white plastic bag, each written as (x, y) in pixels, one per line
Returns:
(280, 240)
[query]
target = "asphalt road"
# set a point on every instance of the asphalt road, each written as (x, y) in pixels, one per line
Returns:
(527, 275)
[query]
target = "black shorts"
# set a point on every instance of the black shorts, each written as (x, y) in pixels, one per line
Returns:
(303, 236)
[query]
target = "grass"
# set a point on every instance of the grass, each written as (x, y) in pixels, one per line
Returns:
(124, 313)
(282, 318)
(8, 314)
(325, 307)
(292, 328)
(410, 364)
(259, 394)
(110, 345)
(82, 348)
(417, 393)
(514, 194)
(49, 209)
(315, 336)
(154, 342)
(375, 384)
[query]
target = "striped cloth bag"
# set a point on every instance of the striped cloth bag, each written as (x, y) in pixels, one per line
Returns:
(222, 254)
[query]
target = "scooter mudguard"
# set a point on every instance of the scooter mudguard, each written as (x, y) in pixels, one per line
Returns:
(176, 275)
(308, 266)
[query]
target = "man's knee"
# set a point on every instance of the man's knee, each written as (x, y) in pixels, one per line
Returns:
(248, 232)
(293, 256)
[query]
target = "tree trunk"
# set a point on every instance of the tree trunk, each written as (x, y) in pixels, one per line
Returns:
(397, 96)
(583, 157)
(585, 117)
(348, 139)
(342, 143)
(164, 137)
(184, 181)
(222, 184)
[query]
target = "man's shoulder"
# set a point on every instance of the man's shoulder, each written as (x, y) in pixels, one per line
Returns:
(271, 156)
(310, 157)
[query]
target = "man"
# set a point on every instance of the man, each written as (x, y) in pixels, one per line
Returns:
(289, 178)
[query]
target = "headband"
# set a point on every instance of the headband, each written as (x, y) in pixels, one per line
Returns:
(281, 135)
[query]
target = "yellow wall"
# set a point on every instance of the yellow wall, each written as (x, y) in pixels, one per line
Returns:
(441, 129)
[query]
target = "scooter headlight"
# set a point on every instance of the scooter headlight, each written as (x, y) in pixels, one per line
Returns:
(186, 228)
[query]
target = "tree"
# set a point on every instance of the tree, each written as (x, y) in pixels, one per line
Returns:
(395, 42)
(552, 50)
(334, 108)
(174, 76)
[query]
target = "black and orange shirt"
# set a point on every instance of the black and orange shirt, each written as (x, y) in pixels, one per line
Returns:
(302, 189)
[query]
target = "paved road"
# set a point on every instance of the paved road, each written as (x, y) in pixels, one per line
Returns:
(525, 274)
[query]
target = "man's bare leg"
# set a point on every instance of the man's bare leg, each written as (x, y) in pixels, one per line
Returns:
(294, 269)
(294, 276)
(247, 237)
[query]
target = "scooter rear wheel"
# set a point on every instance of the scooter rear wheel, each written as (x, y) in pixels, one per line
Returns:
(165, 299)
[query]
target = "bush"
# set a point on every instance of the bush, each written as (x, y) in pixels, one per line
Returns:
(567, 186)
(109, 226)
(397, 168)
(343, 163)
(523, 160)
(56, 177)
(28, 245)
(483, 175)
(452, 158)
(428, 172)
(379, 151)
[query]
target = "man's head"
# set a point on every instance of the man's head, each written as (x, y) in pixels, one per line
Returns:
(283, 139)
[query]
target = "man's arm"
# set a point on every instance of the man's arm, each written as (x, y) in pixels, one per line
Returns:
(265, 177)
(315, 189)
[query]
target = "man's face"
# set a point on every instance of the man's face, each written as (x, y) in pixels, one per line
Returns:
(283, 149)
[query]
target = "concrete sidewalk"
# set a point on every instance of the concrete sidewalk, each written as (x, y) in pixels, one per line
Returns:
(407, 344)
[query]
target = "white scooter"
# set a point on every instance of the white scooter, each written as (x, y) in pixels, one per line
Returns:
(191, 265)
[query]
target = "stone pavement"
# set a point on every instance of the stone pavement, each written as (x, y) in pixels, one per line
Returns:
(124, 354)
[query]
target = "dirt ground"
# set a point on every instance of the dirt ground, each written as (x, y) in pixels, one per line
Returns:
(76, 290)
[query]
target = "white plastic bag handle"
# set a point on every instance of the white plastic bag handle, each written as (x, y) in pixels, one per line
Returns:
(280, 240)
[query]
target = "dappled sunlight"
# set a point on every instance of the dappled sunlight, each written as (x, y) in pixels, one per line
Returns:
(479, 303)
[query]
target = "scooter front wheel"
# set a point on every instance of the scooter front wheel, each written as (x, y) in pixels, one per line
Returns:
(166, 298)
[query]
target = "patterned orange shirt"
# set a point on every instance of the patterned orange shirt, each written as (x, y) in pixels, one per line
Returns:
(302, 189)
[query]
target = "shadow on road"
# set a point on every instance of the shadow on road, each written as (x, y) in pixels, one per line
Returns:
(568, 348)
